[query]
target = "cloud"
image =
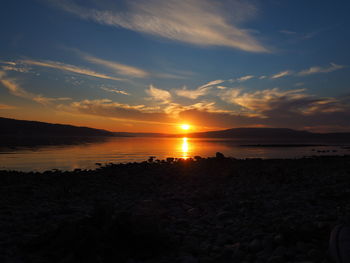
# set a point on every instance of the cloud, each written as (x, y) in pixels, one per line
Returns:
(212, 83)
(276, 108)
(198, 22)
(162, 114)
(265, 100)
(245, 78)
(13, 66)
(108, 108)
(192, 94)
(265, 108)
(287, 32)
(281, 74)
(16, 90)
(6, 107)
(161, 95)
(69, 68)
(299, 84)
(115, 91)
(117, 67)
(200, 91)
(46, 101)
(221, 87)
(317, 70)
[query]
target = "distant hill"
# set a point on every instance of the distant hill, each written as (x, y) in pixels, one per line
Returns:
(21, 128)
(12, 127)
(258, 134)
(241, 133)
(280, 134)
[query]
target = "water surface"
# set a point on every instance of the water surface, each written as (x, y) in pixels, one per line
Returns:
(121, 150)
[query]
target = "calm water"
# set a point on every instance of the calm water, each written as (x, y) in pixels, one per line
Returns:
(120, 150)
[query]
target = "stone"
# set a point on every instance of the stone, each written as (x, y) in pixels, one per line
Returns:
(188, 259)
(254, 245)
(276, 259)
(314, 254)
(279, 239)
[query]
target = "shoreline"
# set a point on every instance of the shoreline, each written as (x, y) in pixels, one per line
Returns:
(205, 210)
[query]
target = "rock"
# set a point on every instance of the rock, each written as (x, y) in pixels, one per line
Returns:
(219, 155)
(189, 259)
(223, 239)
(280, 251)
(302, 247)
(268, 244)
(279, 239)
(314, 254)
(322, 225)
(254, 246)
(276, 259)
(224, 215)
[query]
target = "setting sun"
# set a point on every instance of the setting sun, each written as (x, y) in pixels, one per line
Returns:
(185, 127)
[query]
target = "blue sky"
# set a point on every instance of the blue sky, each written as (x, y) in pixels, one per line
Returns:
(152, 65)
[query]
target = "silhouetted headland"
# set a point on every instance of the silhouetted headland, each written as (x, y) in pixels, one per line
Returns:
(21, 132)
(196, 210)
(33, 133)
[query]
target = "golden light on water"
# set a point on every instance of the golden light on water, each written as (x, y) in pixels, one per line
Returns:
(185, 148)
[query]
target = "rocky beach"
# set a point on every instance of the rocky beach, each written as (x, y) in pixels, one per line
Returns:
(188, 211)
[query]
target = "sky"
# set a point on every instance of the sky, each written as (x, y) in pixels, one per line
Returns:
(151, 65)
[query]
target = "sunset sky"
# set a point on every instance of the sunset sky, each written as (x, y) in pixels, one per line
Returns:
(153, 65)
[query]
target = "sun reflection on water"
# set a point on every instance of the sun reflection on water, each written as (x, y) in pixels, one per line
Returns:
(185, 148)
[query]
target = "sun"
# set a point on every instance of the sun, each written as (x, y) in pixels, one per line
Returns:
(185, 127)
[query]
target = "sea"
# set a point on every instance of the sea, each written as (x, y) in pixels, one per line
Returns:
(90, 155)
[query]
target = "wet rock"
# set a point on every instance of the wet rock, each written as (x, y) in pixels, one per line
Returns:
(280, 251)
(276, 259)
(188, 259)
(219, 155)
(254, 245)
(224, 215)
(314, 254)
(279, 239)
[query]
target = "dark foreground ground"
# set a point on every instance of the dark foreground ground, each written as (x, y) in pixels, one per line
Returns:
(209, 210)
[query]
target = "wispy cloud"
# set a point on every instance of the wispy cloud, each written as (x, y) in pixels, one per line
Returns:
(317, 70)
(161, 95)
(200, 91)
(209, 24)
(117, 67)
(265, 100)
(117, 91)
(245, 78)
(192, 94)
(13, 66)
(281, 74)
(304, 35)
(108, 108)
(212, 83)
(288, 32)
(6, 107)
(69, 68)
(15, 89)
(221, 87)
(265, 108)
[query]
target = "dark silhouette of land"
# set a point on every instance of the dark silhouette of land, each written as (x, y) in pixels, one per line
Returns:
(35, 128)
(20, 128)
(18, 133)
(203, 210)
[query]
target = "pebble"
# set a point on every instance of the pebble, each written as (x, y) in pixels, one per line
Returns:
(276, 259)
(254, 245)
